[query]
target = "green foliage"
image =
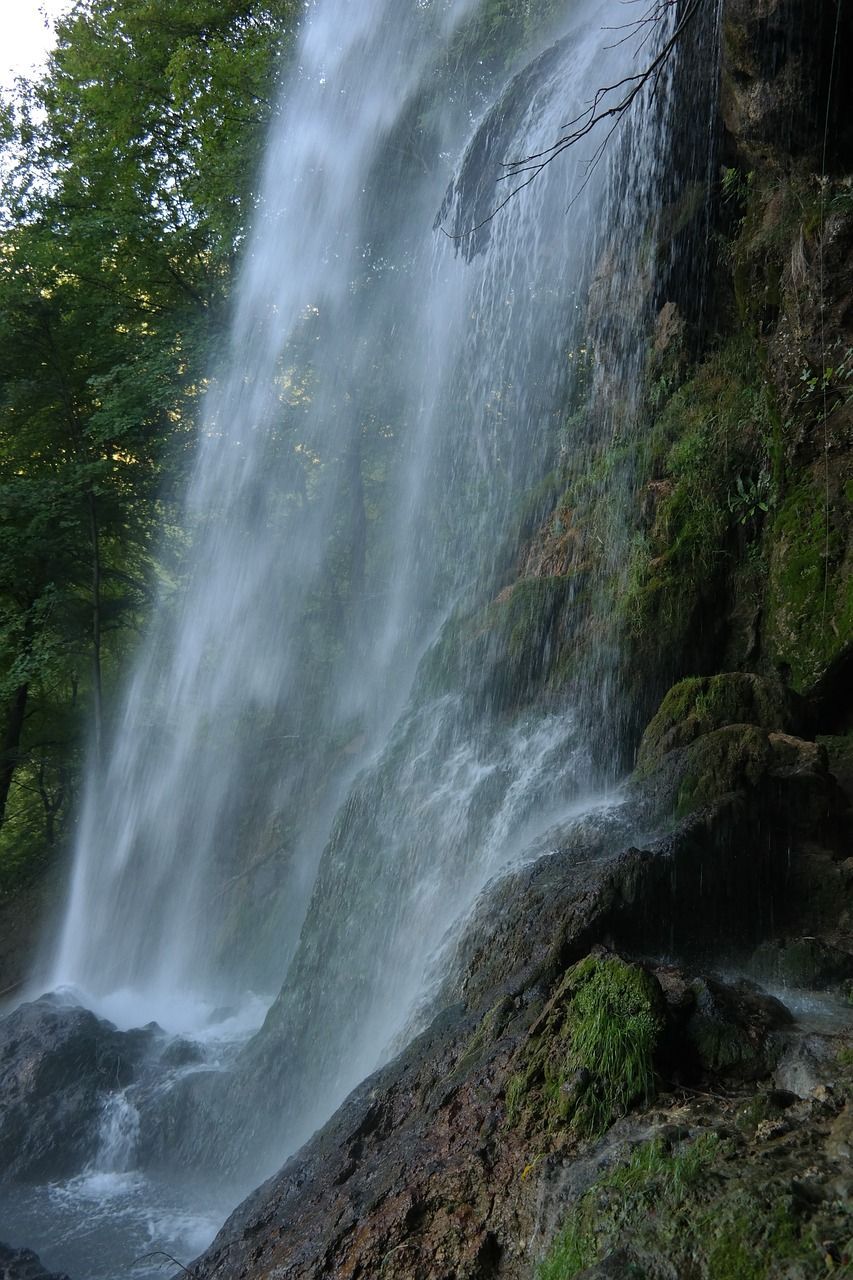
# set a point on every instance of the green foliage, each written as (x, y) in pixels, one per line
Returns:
(655, 1181)
(736, 186)
(128, 175)
(594, 1058)
(615, 1025)
(572, 1250)
(751, 498)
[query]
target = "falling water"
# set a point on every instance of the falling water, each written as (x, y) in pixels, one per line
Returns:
(388, 402)
(337, 732)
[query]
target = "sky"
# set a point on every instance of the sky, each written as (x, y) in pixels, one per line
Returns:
(26, 35)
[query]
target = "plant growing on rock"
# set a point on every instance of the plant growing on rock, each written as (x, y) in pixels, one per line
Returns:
(592, 1057)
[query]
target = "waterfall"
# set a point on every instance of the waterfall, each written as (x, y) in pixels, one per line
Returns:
(347, 718)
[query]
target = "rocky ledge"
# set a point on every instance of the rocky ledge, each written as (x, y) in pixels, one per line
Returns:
(595, 1099)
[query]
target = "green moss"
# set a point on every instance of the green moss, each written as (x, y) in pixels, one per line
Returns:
(487, 1032)
(514, 1094)
(731, 1258)
(744, 1244)
(594, 1058)
(529, 608)
(653, 1183)
(685, 1211)
(512, 649)
(719, 763)
(700, 705)
(712, 432)
(810, 596)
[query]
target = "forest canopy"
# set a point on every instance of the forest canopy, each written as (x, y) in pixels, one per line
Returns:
(128, 179)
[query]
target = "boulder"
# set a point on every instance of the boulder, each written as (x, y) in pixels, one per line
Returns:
(802, 962)
(699, 705)
(23, 1264)
(735, 1030)
(58, 1065)
(735, 734)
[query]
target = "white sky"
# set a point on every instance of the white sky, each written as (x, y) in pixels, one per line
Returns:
(26, 35)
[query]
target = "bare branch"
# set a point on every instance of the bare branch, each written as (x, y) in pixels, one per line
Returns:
(596, 113)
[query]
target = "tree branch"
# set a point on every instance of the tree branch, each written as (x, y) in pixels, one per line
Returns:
(595, 114)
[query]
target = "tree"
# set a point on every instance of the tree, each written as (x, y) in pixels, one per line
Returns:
(128, 180)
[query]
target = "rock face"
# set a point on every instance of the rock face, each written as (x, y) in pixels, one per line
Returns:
(578, 1100)
(441, 1164)
(58, 1065)
(444, 1165)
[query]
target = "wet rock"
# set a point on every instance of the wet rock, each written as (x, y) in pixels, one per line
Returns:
(839, 1145)
(734, 1030)
(181, 1052)
(806, 1066)
(700, 705)
(58, 1063)
(670, 328)
(775, 91)
(802, 962)
(618, 1266)
(23, 1264)
(779, 773)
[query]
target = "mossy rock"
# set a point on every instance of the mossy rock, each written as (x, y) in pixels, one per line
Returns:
(802, 962)
(809, 616)
(702, 704)
(590, 1058)
(736, 758)
(733, 1030)
(746, 758)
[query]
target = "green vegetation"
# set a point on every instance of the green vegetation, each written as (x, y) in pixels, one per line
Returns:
(709, 462)
(700, 705)
(684, 1206)
(655, 1181)
(128, 177)
(594, 1057)
(810, 594)
(615, 1028)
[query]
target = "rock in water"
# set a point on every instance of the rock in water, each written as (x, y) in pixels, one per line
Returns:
(58, 1065)
(23, 1264)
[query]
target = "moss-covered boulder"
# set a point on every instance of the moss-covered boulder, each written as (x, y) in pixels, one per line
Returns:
(784, 777)
(735, 734)
(700, 705)
(591, 1056)
(742, 757)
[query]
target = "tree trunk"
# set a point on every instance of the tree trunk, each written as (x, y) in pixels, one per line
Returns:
(11, 744)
